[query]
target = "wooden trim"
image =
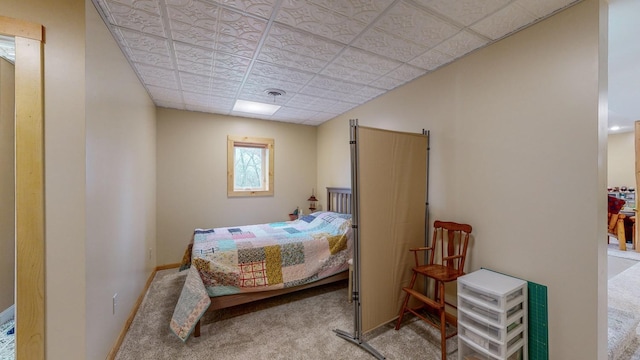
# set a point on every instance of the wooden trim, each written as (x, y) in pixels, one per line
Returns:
(21, 28)
(168, 266)
(134, 311)
(29, 187)
(264, 143)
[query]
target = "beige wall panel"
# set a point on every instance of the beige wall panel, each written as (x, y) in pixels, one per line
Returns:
(515, 127)
(621, 160)
(392, 192)
(192, 177)
(64, 73)
(7, 185)
(121, 190)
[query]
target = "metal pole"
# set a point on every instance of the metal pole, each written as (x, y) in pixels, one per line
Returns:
(355, 212)
(426, 202)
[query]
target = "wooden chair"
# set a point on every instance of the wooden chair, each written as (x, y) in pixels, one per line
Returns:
(444, 262)
(615, 221)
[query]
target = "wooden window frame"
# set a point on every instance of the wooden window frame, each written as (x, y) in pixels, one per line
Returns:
(245, 141)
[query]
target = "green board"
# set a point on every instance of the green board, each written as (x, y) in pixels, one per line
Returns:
(538, 319)
(538, 322)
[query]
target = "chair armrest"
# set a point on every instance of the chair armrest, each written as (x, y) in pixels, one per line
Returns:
(422, 249)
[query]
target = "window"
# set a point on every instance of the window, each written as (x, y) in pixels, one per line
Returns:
(249, 166)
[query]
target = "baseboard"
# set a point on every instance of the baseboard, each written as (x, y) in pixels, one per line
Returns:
(8, 314)
(168, 266)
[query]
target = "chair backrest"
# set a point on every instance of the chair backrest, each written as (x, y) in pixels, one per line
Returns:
(615, 204)
(450, 239)
(613, 215)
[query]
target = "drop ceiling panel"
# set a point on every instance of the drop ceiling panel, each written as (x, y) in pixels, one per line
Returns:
(329, 56)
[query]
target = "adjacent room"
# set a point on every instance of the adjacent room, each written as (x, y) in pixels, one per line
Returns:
(147, 161)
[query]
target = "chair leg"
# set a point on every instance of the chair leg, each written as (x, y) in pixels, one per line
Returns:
(406, 301)
(443, 323)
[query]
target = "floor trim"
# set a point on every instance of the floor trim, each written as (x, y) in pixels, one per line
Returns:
(136, 306)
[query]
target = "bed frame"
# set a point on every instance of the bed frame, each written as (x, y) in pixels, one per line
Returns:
(338, 200)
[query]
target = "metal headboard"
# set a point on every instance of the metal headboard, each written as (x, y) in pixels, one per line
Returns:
(339, 200)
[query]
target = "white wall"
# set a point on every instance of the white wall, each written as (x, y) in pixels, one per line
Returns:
(120, 185)
(7, 184)
(192, 175)
(622, 160)
(514, 128)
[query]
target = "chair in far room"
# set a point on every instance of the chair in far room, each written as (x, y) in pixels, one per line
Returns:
(615, 221)
(444, 262)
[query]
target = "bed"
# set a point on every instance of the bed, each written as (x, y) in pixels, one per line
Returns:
(237, 265)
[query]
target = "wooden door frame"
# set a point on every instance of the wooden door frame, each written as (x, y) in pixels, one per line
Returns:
(29, 186)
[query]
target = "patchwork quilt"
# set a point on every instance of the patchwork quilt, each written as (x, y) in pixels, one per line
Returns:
(260, 257)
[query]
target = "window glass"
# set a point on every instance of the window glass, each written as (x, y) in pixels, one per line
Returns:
(249, 166)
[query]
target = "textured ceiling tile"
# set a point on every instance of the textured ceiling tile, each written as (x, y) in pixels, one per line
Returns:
(186, 52)
(302, 43)
(430, 60)
(411, 23)
(318, 20)
(362, 77)
(170, 104)
(202, 55)
(358, 59)
(260, 96)
(195, 68)
(364, 94)
(160, 82)
(542, 8)
(131, 18)
(241, 26)
(150, 6)
(281, 57)
(149, 58)
(327, 83)
(503, 22)
(202, 99)
(192, 35)
(361, 10)
(229, 61)
(229, 74)
(337, 71)
(143, 42)
(162, 94)
(196, 80)
(194, 13)
(465, 12)
(406, 73)
(387, 83)
(338, 107)
(385, 44)
(460, 44)
(210, 108)
(324, 93)
(152, 71)
(278, 72)
(267, 83)
(262, 8)
(225, 85)
(236, 46)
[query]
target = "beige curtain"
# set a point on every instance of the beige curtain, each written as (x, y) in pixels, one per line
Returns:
(392, 168)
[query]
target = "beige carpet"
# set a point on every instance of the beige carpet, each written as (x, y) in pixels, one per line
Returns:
(295, 326)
